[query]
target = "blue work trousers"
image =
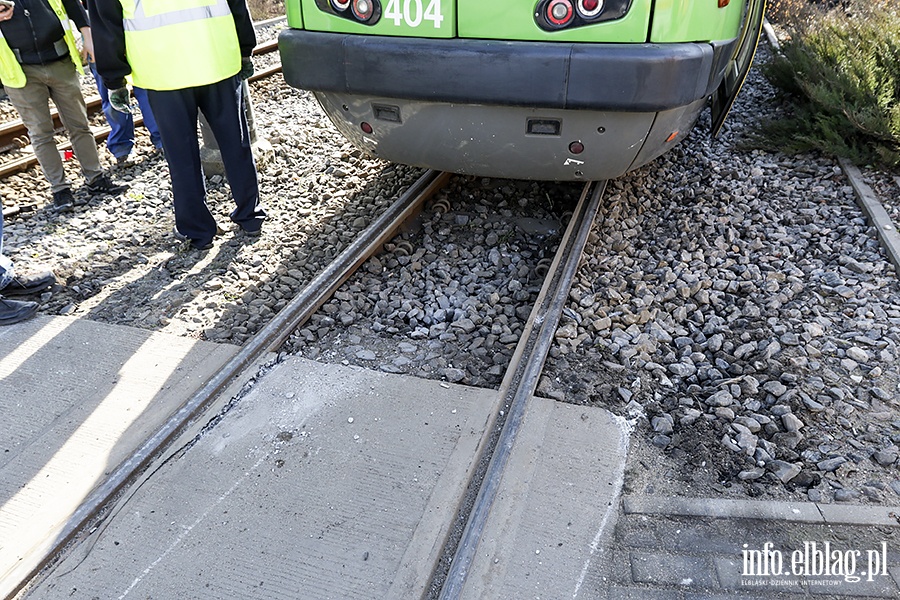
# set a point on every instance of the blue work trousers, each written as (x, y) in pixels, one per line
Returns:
(121, 135)
(222, 104)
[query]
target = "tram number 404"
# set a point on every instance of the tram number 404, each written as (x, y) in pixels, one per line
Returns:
(412, 12)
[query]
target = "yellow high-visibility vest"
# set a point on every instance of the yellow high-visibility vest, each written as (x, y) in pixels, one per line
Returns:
(11, 72)
(176, 44)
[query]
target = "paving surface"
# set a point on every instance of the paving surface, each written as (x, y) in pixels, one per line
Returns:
(76, 398)
(695, 548)
(338, 482)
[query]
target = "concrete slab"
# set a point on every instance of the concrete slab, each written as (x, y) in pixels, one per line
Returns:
(722, 508)
(799, 512)
(76, 398)
(555, 509)
(322, 482)
(878, 216)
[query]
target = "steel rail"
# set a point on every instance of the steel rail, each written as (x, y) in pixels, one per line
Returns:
(12, 130)
(100, 134)
(521, 380)
(268, 339)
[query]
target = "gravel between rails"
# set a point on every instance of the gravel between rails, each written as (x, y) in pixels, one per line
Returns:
(733, 302)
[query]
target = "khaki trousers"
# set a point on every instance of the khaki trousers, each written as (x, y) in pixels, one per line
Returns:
(58, 81)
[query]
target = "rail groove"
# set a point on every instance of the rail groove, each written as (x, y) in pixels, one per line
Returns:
(518, 386)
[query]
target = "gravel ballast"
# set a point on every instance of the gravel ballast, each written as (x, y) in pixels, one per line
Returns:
(734, 303)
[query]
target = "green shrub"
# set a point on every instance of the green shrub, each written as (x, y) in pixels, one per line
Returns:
(842, 69)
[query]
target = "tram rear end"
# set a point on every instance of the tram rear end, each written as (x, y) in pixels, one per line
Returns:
(548, 90)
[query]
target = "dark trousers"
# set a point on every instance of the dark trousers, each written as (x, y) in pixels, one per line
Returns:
(176, 115)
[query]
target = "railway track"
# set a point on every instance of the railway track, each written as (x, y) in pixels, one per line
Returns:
(445, 580)
(14, 135)
(518, 385)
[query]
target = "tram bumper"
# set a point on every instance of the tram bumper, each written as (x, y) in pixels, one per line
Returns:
(477, 101)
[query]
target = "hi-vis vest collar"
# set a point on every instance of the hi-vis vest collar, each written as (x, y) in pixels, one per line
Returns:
(141, 21)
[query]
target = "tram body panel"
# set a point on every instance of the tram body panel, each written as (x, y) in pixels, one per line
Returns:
(506, 20)
(691, 20)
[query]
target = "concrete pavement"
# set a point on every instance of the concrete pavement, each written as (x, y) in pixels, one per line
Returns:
(338, 482)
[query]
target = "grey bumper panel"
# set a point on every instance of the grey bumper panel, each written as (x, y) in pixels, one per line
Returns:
(624, 77)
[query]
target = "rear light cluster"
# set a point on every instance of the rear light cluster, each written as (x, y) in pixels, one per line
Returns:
(367, 12)
(553, 15)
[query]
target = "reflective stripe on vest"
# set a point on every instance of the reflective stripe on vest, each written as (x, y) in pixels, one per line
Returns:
(177, 44)
(141, 21)
(11, 72)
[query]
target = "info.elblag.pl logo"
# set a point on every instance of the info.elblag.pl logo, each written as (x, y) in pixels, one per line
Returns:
(815, 559)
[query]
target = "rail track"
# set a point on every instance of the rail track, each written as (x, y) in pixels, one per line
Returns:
(447, 580)
(14, 135)
(518, 384)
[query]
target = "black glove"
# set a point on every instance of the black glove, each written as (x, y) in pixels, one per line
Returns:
(246, 71)
(120, 100)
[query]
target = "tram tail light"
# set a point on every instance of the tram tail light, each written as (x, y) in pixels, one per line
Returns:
(363, 9)
(588, 9)
(556, 15)
(559, 13)
(367, 12)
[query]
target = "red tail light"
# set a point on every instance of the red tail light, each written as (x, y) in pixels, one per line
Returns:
(560, 12)
(340, 5)
(588, 9)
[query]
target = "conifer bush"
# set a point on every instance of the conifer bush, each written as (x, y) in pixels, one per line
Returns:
(841, 69)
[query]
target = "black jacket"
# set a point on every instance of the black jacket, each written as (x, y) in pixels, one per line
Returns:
(34, 32)
(108, 32)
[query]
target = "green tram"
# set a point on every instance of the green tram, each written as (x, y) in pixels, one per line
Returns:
(560, 90)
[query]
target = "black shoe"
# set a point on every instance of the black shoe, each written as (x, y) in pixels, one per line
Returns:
(254, 233)
(22, 285)
(63, 198)
(194, 243)
(104, 185)
(13, 311)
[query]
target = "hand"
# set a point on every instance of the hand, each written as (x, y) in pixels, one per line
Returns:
(120, 100)
(6, 12)
(246, 71)
(87, 45)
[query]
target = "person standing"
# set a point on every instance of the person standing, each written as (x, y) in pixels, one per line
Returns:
(39, 61)
(190, 56)
(13, 311)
